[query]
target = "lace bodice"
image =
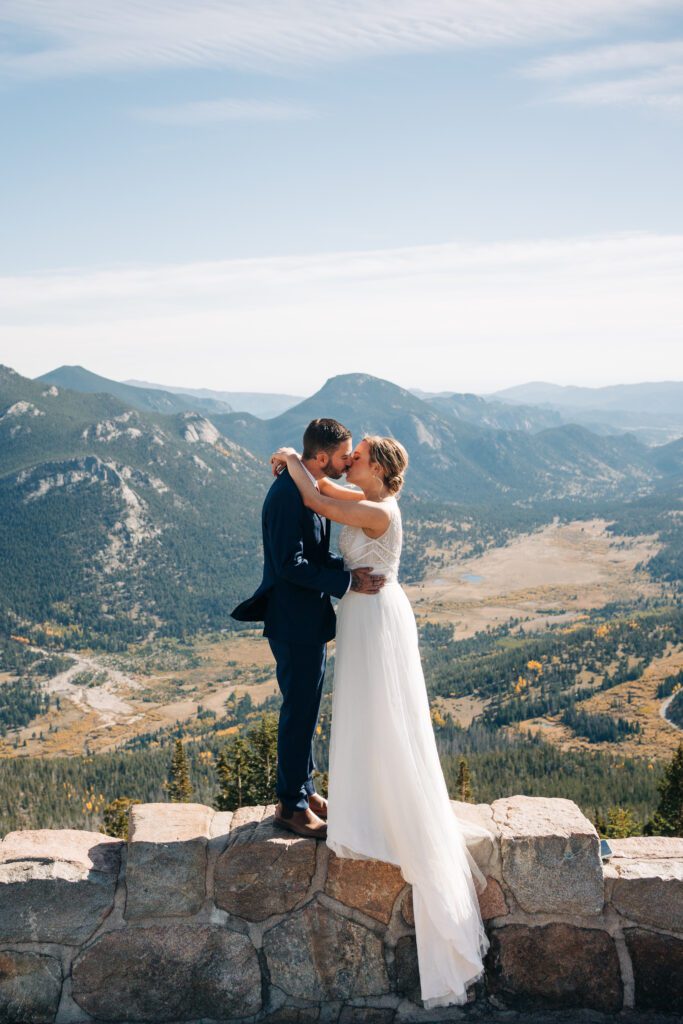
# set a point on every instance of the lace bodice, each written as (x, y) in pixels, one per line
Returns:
(382, 554)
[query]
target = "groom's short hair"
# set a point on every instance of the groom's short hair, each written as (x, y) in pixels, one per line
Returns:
(323, 436)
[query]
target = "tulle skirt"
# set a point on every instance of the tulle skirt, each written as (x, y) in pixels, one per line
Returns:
(387, 794)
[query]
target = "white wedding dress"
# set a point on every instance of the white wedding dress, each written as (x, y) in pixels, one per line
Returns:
(387, 794)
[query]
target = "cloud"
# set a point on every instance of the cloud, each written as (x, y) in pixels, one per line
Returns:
(216, 111)
(662, 89)
(94, 36)
(605, 59)
(657, 81)
(455, 316)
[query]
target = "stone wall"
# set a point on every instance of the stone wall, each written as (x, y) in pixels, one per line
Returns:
(211, 916)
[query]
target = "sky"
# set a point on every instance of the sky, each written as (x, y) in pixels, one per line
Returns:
(257, 195)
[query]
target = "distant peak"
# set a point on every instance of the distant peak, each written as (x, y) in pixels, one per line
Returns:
(361, 377)
(359, 380)
(68, 368)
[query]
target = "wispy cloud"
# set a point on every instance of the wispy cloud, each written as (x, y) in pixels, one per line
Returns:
(648, 73)
(215, 111)
(662, 89)
(456, 316)
(91, 36)
(607, 59)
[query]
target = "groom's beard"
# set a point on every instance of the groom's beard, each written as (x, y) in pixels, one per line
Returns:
(332, 473)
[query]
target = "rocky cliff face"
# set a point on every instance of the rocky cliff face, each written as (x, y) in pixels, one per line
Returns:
(216, 916)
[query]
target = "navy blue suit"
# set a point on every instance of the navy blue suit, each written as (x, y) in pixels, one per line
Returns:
(293, 602)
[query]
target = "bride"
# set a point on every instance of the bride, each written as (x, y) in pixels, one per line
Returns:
(387, 794)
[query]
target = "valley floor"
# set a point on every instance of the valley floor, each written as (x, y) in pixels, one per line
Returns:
(553, 575)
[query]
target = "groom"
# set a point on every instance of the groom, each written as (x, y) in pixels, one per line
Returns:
(293, 602)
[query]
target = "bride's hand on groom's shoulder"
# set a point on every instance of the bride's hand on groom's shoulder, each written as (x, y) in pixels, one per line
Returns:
(278, 460)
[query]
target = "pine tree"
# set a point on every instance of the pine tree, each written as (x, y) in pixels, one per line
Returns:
(263, 760)
(621, 823)
(668, 818)
(233, 771)
(179, 785)
(247, 768)
(464, 782)
(115, 817)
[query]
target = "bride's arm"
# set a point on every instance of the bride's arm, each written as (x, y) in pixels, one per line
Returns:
(278, 461)
(370, 515)
(332, 490)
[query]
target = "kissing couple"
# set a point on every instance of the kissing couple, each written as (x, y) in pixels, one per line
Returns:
(387, 797)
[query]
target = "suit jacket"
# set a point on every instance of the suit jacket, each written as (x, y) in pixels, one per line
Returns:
(299, 573)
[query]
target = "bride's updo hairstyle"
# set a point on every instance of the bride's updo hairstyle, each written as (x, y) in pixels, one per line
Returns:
(392, 459)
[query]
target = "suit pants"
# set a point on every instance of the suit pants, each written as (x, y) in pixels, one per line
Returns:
(300, 673)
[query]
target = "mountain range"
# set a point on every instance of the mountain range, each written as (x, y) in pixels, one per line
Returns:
(490, 413)
(466, 462)
(145, 397)
(132, 519)
(262, 404)
(665, 397)
(654, 411)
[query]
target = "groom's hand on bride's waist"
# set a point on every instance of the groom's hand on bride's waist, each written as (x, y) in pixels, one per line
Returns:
(365, 581)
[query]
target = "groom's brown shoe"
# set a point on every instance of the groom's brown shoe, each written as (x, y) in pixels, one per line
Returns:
(318, 805)
(302, 823)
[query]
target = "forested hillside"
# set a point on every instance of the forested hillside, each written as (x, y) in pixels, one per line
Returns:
(115, 522)
(523, 677)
